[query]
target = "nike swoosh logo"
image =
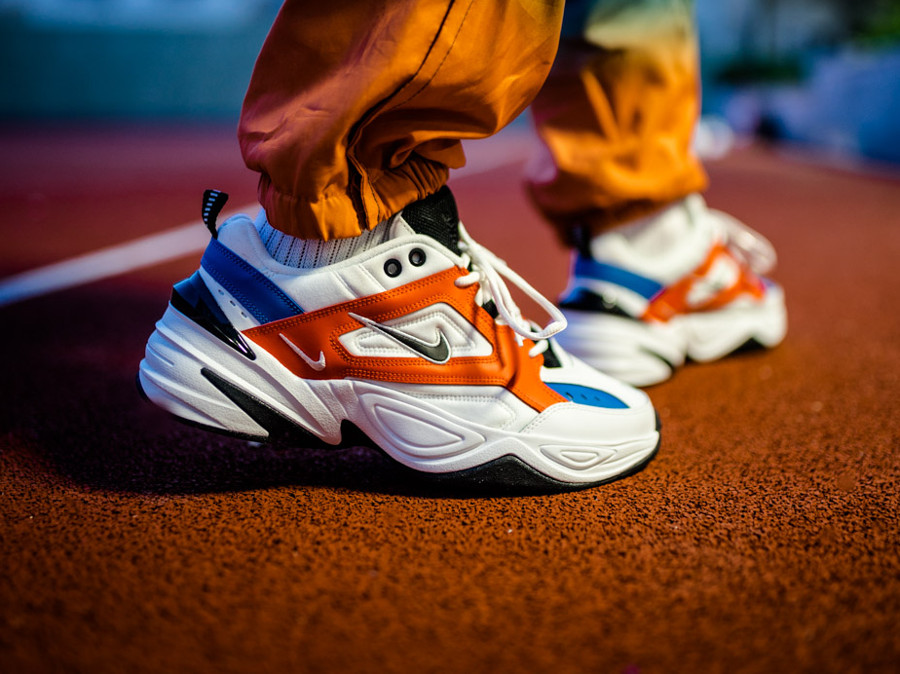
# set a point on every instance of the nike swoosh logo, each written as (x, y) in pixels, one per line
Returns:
(317, 365)
(436, 352)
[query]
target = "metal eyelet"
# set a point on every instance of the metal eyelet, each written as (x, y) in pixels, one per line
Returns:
(417, 257)
(393, 268)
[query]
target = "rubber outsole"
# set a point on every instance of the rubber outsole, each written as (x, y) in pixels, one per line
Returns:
(507, 475)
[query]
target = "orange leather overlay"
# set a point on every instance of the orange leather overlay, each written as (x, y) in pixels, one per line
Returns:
(677, 298)
(318, 333)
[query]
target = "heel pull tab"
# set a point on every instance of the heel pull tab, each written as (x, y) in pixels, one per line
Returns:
(213, 202)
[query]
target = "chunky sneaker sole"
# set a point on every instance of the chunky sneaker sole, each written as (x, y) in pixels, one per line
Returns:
(407, 343)
(640, 329)
(643, 353)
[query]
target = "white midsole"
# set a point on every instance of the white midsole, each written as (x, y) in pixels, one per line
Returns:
(413, 431)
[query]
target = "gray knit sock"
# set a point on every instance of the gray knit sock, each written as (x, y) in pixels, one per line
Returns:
(311, 253)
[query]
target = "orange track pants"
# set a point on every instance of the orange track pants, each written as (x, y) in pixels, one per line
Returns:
(357, 108)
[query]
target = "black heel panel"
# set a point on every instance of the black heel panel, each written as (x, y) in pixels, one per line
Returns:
(193, 299)
(582, 299)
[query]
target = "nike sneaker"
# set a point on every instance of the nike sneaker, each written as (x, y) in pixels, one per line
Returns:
(686, 283)
(415, 342)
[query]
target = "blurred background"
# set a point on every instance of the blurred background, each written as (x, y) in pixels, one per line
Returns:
(823, 73)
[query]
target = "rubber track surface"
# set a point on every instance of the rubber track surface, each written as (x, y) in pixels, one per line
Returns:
(762, 538)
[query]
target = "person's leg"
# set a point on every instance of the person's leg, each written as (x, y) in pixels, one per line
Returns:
(399, 323)
(658, 277)
(617, 114)
(356, 109)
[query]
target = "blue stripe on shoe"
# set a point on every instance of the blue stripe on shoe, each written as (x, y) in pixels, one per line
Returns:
(584, 395)
(256, 293)
(601, 271)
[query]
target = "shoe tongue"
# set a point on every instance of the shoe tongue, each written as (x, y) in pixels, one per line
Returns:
(436, 216)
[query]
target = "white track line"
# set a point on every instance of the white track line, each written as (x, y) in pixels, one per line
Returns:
(106, 262)
(182, 241)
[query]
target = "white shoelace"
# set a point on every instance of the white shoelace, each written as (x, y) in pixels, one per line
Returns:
(751, 246)
(490, 270)
(748, 245)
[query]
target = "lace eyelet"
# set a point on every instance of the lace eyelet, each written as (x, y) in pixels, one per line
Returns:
(393, 268)
(417, 257)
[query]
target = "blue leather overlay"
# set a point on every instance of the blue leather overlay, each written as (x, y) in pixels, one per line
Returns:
(584, 395)
(590, 268)
(256, 293)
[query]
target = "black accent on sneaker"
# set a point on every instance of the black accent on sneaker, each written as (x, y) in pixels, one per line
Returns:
(213, 202)
(582, 299)
(437, 351)
(750, 346)
(192, 298)
(506, 475)
(280, 428)
(436, 216)
(665, 360)
(351, 435)
(551, 358)
(579, 237)
(491, 308)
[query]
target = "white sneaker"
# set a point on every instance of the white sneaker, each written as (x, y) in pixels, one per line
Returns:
(415, 341)
(684, 283)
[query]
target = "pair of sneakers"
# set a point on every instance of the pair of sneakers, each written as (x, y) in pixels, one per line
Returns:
(416, 342)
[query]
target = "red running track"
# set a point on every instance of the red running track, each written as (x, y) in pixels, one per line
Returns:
(762, 538)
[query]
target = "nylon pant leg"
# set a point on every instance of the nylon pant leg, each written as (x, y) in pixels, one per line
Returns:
(616, 116)
(356, 107)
